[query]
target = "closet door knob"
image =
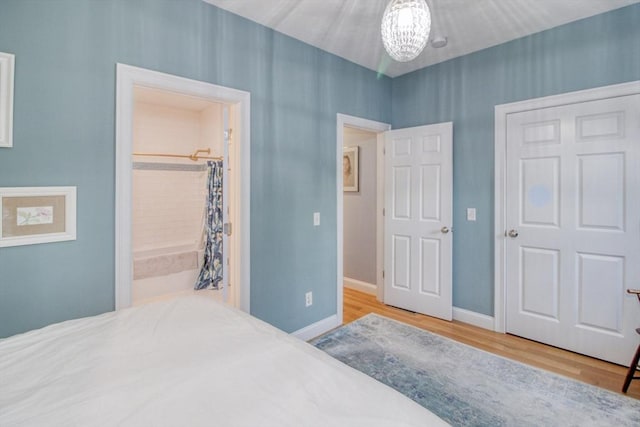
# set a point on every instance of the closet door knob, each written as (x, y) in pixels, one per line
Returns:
(513, 233)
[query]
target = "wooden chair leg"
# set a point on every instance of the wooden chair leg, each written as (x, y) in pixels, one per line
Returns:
(632, 370)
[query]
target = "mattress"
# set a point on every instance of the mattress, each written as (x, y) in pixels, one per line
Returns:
(186, 362)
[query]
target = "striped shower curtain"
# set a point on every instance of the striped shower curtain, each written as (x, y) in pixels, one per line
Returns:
(211, 272)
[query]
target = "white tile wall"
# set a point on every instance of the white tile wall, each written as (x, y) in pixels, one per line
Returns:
(168, 206)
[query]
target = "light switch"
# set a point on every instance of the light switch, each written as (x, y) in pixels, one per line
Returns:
(471, 214)
(316, 218)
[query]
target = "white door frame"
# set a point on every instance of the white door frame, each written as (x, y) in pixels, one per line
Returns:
(378, 128)
(500, 147)
(127, 78)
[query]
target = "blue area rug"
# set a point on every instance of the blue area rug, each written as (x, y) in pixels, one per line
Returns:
(469, 387)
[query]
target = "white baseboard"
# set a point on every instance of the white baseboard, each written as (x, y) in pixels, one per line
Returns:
(473, 318)
(361, 286)
(317, 329)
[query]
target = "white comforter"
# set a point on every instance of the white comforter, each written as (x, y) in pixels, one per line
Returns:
(186, 362)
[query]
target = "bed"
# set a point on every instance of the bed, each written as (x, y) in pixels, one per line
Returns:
(186, 362)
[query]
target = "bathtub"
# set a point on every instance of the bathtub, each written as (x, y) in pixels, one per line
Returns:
(165, 271)
(163, 261)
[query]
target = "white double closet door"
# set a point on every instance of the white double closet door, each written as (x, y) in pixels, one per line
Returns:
(573, 226)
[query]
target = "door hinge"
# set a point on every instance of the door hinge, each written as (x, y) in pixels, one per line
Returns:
(227, 229)
(383, 274)
(227, 134)
(383, 212)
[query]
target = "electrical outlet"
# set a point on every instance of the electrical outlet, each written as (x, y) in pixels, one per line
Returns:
(308, 299)
(316, 218)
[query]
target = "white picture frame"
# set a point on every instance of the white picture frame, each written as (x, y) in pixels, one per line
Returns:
(32, 215)
(7, 70)
(350, 165)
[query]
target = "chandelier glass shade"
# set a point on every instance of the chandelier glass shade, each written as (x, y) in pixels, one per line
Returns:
(405, 28)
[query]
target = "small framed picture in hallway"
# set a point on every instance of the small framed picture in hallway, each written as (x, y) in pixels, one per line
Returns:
(350, 168)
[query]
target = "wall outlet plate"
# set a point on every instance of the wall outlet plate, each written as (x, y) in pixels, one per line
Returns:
(471, 214)
(308, 299)
(316, 218)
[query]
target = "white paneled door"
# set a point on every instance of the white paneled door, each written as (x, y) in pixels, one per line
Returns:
(418, 219)
(573, 226)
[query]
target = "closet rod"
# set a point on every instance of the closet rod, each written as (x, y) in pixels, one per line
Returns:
(195, 156)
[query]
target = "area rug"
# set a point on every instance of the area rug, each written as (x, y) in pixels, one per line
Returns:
(470, 387)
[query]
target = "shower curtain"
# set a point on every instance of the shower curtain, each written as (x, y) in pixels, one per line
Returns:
(211, 272)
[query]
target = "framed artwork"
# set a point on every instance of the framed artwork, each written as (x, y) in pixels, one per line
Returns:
(350, 168)
(6, 99)
(33, 215)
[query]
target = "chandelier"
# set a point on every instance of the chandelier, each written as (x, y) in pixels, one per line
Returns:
(405, 28)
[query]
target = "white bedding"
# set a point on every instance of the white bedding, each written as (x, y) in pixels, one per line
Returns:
(186, 362)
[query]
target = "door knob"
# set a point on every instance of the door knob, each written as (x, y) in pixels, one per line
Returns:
(513, 233)
(444, 230)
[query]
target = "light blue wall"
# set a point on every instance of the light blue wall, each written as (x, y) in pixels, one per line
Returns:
(66, 51)
(66, 55)
(594, 52)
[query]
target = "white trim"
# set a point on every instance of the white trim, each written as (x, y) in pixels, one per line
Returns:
(70, 204)
(359, 285)
(380, 216)
(226, 209)
(379, 128)
(472, 318)
(7, 73)
(316, 329)
(127, 78)
(500, 150)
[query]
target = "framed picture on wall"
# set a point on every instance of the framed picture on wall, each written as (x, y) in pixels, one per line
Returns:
(350, 168)
(6, 99)
(33, 215)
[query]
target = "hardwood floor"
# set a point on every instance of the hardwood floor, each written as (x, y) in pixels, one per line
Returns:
(579, 367)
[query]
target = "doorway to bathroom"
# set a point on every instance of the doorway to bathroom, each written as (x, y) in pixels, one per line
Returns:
(178, 143)
(182, 182)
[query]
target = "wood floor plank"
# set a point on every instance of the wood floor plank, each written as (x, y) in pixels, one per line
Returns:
(576, 366)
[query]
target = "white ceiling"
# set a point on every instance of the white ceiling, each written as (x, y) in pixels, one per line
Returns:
(351, 28)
